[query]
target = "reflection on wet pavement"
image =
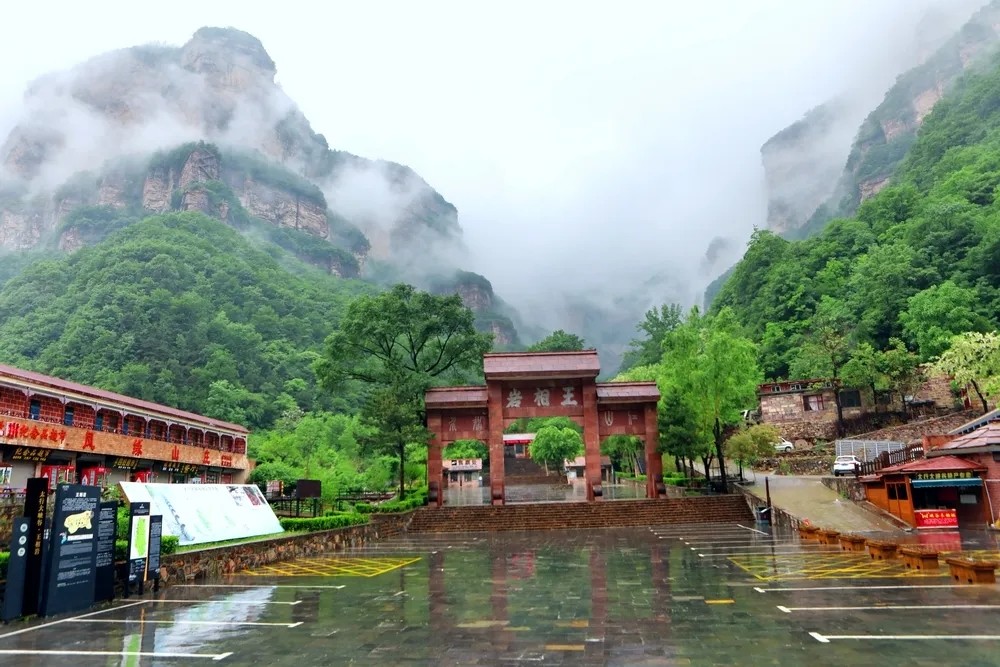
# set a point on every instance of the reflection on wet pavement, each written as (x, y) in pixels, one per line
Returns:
(673, 595)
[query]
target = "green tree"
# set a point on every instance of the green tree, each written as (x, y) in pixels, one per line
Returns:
(553, 445)
(466, 449)
(974, 359)
(397, 344)
(655, 325)
(826, 348)
(750, 444)
(558, 341)
(392, 413)
(938, 313)
(623, 449)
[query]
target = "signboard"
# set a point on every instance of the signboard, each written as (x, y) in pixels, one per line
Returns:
(138, 544)
(35, 495)
(955, 474)
(107, 525)
(13, 598)
(73, 550)
(936, 518)
(153, 562)
(198, 513)
(29, 454)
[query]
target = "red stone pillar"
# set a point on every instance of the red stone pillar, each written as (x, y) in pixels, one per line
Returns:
(494, 402)
(437, 599)
(435, 477)
(591, 441)
(654, 460)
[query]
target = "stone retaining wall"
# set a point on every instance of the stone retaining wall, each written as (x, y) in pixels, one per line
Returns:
(220, 561)
(779, 518)
(847, 487)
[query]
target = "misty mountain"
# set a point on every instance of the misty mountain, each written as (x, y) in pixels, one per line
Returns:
(815, 172)
(205, 127)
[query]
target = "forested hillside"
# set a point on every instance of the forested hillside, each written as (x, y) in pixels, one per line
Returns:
(919, 262)
(182, 310)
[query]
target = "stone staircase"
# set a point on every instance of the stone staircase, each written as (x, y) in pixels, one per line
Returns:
(526, 472)
(731, 508)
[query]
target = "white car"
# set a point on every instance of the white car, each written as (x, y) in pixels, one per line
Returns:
(783, 446)
(846, 465)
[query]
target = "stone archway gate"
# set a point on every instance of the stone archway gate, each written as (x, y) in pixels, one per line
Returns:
(542, 384)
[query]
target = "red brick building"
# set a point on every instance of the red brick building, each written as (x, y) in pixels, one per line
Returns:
(75, 433)
(542, 384)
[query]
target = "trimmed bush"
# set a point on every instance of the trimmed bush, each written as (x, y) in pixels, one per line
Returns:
(169, 544)
(4, 558)
(323, 522)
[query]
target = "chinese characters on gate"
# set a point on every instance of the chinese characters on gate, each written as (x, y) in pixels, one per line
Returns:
(542, 397)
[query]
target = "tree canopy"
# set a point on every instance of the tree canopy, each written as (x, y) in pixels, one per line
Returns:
(558, 341)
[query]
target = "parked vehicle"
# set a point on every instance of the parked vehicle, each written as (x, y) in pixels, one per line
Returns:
(846, 465)
(783, 446)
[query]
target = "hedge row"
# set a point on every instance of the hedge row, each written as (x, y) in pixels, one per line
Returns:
(4, 557)
(324, 522)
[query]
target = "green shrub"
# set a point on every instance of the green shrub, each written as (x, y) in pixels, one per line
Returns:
(4, 558)
(414, 498)
(364, 508)
(169, 544)
(323, 522)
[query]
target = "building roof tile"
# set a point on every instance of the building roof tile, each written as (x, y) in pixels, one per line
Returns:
(936, 464)
(506, 365)
(42, 382)
(627, 392)
(455, 397)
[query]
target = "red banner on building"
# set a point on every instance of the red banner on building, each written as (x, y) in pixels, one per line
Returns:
(936, 518)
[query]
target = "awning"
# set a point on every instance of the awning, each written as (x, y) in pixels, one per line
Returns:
(963, 481)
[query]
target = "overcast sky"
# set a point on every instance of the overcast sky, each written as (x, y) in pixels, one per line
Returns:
(584, 144)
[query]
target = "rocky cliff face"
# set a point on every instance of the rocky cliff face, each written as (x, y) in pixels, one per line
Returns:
(219, 87)
(806, 177)
(204, 127)
(802, 163)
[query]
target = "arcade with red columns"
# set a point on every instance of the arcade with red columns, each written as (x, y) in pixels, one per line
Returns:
(542, 384)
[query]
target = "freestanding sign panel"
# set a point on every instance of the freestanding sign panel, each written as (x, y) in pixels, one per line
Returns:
(138, 545)
(35, 495)
(13, 600)
(71, 571)
(153, 562)
(107, 525)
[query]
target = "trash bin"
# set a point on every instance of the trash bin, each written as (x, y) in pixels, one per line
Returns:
(763, 515)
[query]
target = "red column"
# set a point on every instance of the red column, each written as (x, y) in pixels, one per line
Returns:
(435, 484)
(598, 602)
(654, 460)
(494, 403)
(591, 441)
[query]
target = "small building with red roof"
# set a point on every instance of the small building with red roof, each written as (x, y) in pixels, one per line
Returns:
(940, 492)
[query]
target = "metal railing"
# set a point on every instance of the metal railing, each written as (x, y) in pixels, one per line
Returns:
(887, 459)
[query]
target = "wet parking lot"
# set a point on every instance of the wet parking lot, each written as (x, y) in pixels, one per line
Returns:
(678, 595)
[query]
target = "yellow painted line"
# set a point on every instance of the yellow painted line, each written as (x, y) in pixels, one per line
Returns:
(848, 565)
(564, 647)
(720, 601)
(479, 625)
(578, 623)
(332, 567)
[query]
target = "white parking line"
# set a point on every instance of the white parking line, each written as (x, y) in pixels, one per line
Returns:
(789, 610)
(124, 654)
(182, 622)
(74, 618)
(246, 602)
(252, 586)
(760, 553)
(860, 587)
(825, 639)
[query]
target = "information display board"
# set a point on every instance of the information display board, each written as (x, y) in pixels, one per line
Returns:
(198, 513)
(71, 572)
(138, 543)
(107, 525)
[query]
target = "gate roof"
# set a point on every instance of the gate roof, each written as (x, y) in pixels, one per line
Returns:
(530, 365)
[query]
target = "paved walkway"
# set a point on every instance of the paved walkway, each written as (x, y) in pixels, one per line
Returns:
(805, 497)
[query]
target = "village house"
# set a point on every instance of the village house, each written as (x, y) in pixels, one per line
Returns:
(807, 409)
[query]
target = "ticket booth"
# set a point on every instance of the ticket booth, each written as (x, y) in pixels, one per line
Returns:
(96, 476)
(944, 492)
